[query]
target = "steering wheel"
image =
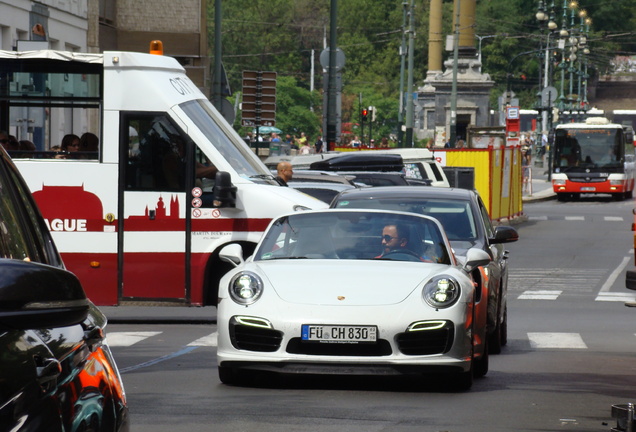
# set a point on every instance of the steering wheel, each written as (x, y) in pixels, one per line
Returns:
(409, 254)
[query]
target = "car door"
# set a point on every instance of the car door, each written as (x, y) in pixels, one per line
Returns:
(58, 376)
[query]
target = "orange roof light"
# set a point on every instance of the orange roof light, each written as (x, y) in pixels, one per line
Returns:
(156, 47)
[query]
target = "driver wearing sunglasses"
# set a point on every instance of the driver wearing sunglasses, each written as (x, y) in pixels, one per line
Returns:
(395, 238)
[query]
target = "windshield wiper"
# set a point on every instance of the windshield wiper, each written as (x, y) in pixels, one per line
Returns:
(285, 257)
(263, 176)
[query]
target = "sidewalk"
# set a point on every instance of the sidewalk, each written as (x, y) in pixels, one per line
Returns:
(177, 314)
(539, 188)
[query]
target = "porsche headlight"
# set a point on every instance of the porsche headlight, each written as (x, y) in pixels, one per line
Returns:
(246, 288)
(441, 292)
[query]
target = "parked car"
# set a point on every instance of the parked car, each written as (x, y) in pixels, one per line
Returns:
(419, 163)
(56, 371)
(467, 224)
(325, 294)
(376, 178)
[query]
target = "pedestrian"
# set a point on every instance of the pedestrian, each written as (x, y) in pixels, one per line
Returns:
(285, 173)
(318, 145)
(305, 149)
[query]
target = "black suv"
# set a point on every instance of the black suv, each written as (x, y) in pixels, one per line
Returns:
(56, 371)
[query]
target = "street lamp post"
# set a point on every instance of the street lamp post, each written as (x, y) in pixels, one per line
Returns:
(479, 46)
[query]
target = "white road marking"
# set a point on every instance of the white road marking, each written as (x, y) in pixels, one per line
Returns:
(538, 218)
(567, 280)
(556, 341)
(615, 297)
(540, 295)
(209, 340)
(612, 278)
(575, 218)
(613, 219)
(118, 339)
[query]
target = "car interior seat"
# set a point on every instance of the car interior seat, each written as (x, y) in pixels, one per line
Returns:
(315, 243)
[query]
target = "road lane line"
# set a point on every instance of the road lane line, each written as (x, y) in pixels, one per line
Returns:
(615, 297)
(540, 295)
(124, 339)
(556, 341)
(181, 352)
(612, 278)
(613, 218)
(209, 340)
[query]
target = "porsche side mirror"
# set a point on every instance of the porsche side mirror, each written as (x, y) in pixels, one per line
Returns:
(233, 254)
(476, 257)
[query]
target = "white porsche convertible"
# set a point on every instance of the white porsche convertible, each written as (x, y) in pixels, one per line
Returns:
(351, 292)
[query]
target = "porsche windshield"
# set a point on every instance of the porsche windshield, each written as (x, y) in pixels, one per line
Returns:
(354, 235)
(454, 215)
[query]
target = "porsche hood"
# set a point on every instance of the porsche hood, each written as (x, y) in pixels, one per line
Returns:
(346, 283)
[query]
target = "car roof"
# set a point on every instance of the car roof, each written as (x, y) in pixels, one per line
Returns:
(409, 192)
(319, 177)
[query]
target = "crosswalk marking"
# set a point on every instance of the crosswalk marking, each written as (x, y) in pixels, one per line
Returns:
(556, 341)
(128, 338)
(574, 218)
(537, 340)
(209, 340)
(615, 297)
(540, 295)
(555, 279)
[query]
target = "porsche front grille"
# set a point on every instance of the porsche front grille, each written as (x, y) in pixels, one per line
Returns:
(252, 338)
(426, 342)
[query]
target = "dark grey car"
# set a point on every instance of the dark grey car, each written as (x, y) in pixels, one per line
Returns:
(467, 224)
(56, 371)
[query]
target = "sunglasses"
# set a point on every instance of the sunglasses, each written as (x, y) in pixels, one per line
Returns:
(387, 238)
(4, 141)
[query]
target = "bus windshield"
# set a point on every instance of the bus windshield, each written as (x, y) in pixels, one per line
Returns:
(237, 153)
(588, 148)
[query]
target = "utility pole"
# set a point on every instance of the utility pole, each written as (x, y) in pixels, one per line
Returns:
(402, 67)
(331, 97)
(453, 104)
(217, 85)
(409, 97)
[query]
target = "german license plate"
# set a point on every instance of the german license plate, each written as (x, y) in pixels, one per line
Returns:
(588, 189)
(339, 333)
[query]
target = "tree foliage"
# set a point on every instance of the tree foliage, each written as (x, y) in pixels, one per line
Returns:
(285, 35)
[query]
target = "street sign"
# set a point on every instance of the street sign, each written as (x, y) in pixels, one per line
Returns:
(259, 98)
(548, 96)
(340, 58)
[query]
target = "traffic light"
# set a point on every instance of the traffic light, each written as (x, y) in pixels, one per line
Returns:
(365, 114)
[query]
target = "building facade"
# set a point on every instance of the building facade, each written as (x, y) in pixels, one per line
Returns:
(100, 25)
